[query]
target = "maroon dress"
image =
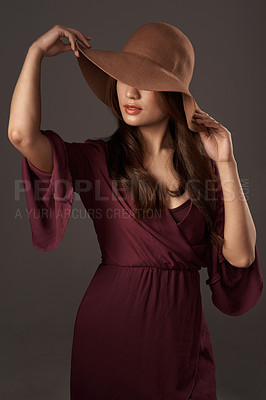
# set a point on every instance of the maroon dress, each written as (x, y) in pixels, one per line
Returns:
(140, 331)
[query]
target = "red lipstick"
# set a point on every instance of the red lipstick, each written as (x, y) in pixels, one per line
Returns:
(132, 109)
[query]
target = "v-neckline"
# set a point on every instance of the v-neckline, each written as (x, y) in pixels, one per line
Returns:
(172, 225)
(164, 228)
(169, 211)
(180, 205)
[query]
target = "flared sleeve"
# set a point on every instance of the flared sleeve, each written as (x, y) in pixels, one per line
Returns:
(234, 290)
(49, 196)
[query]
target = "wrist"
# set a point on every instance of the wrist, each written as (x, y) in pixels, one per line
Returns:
(36, 50)
(231, 162)
(227, 168)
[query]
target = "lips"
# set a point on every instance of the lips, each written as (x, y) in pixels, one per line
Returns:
(133, 110)
(132, 106)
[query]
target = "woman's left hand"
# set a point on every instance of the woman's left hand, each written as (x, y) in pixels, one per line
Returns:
(218, 144)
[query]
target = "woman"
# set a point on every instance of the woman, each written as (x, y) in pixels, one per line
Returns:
(165, 198)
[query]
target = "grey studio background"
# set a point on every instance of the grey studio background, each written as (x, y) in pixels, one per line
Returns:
(41, 291)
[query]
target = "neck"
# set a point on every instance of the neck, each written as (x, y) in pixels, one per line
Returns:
(156, 139)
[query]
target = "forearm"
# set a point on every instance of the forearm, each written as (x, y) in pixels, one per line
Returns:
(239, 228)
(25, 108)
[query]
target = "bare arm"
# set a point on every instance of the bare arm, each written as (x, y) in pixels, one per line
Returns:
(25, 110)
(25, 114)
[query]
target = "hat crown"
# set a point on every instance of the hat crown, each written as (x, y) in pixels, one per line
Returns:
(165, 45)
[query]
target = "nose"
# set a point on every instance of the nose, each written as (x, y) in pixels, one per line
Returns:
(132, 92)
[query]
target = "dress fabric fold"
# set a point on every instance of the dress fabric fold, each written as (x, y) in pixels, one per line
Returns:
(234, 290)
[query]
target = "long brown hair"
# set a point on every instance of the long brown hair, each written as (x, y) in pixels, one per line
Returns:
(190, 161)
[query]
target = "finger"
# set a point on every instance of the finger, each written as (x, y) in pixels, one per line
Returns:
(83, 39)
(81, 36)
(72, 40)
(204, 118)
(86, 36)
(199, 119)
(76, 32)
(210, 124)
(200, 112)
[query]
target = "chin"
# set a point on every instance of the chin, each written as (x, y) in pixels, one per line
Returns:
(129, 122)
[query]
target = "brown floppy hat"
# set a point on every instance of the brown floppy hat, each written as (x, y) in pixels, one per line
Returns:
(157, 57)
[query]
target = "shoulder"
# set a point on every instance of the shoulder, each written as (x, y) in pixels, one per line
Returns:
(89, 147)
(85, 145)
(94, 151)
(91, 151)
(95, 148)
(98, 144)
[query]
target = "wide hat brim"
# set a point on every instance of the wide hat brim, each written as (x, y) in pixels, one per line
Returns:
(136, 71)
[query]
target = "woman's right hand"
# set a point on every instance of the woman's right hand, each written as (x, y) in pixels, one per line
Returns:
(50, 43)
